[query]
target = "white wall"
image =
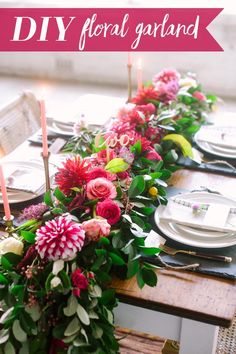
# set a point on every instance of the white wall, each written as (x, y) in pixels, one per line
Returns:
(217, 71)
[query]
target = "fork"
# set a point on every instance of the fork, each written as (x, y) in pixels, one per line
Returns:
(215, 257)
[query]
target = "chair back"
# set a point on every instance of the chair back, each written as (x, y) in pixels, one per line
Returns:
(19, 120)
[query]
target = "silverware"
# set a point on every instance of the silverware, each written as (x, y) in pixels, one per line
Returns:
(215, 257)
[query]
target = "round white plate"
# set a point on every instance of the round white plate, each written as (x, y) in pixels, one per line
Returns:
(212, 148)
(61, 128)
(19, 196)
(195, 237)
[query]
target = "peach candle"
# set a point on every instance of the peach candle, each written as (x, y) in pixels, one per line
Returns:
(4, 195)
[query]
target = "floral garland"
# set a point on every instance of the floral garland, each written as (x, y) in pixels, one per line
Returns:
(56, 266)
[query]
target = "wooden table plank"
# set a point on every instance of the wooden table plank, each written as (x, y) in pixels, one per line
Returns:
(199, 297)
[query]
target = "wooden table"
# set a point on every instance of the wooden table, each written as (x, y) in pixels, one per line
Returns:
(187, 307)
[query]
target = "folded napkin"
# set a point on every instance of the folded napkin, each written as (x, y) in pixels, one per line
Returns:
(224, 137)
(216, 218)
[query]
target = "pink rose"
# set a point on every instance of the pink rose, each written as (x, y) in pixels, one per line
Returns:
(153, 155)
(123, 175)
(96, 228)
(100, 188)
(109, 210)
(79, 281)
(199, 96)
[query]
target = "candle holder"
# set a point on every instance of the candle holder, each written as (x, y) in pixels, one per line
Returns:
(129, 67)
(9, 224)
(46, 170)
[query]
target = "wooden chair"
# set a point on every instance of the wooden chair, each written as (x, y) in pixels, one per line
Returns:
(133, 342)
(18, 121)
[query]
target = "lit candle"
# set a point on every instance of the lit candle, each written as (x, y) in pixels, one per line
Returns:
(140, 74)
(44, 128)
(4, 195)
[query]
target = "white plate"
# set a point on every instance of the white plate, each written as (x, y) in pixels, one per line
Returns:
(198, 237)
(61, 128)
(30, 169)
(212, 148)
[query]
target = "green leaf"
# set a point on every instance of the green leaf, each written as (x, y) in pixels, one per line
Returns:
(34, 312)
(48, 199)
(3, 280)
(133, 267)
(181, 142)
(149, 277)
(28, 236)
(6, 315)
(117, 165)
(117, 260)
(17, 289)
(9, 260)
(147, 211)
(18, 332)
(108, 296)
(171, 156)
(58, 331)
(48, 282)
(4, 336)
(71, 307)
(65, 279)
(137, 186)
(83, 315)
(140, 280)
(150, 251)
(96, 291)
(73, 327)
(26, 322)
(104, 241)
(137, 147)
(59, 195)
(9, 348)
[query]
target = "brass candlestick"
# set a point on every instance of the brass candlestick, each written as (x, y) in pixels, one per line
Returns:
(129, 67)
(9, 224)
(46, 170)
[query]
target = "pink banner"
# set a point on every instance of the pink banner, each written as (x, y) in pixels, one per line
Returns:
(73, 30)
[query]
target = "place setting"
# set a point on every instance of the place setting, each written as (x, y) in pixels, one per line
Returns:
(214, 150)
(197, 227)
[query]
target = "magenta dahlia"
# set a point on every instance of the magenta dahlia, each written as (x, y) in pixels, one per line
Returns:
(60, 238)
(74, 173)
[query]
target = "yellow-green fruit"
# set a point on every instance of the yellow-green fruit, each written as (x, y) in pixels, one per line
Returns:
(153, 191)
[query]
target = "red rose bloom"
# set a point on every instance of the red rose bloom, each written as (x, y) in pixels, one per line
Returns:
(79, 281)
(74, 173)
(98, 172)
(109, 210)
(153, 155)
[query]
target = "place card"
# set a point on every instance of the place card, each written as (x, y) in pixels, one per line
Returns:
(154, 240)
(216, 215)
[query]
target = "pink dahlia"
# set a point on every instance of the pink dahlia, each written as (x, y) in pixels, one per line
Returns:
(96, 228)
(109, 210)
(74, 173)
(60, 238)
(166, 76)
(100, 188)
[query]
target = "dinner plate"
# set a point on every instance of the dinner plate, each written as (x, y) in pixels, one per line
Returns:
(28, 170)
(196, 237)
(215, 149)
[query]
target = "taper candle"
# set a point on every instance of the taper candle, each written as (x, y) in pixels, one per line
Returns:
(129, 67)
(140, 74)
(44, 128)
(6, 206)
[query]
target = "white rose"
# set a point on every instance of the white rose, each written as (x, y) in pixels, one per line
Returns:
(187, 82)
(12, 245)
(55, 282)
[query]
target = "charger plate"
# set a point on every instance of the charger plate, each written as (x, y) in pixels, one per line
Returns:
(32, 169)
